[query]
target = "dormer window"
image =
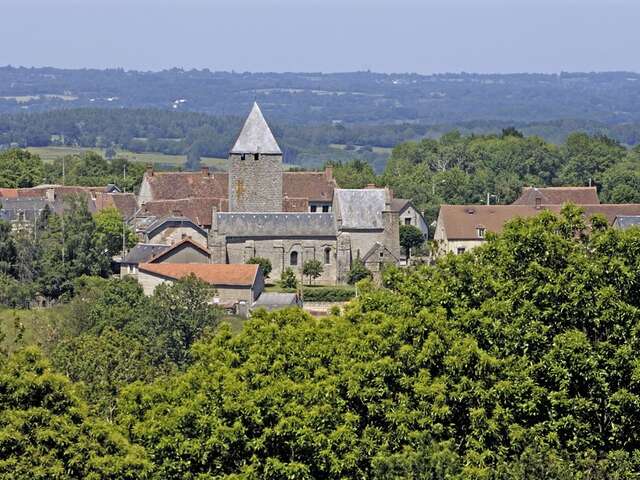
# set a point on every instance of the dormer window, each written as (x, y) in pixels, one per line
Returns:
(480, 232)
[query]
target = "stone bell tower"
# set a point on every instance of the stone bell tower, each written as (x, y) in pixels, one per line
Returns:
(255, 168)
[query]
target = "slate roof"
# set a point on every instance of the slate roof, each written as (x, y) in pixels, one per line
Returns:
(175, 221)
(558, 196)
(256, 136)
(461, 221)
(276, 224)
(399, 204)
(143, 252)
(626, 221)
(240, 275)
(360, 208)
(275, 300)
(187, 241)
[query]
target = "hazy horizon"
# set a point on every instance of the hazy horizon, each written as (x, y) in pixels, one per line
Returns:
(403, 36)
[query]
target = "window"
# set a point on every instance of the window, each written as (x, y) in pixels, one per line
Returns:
(325, 208)
(313, 208)
(293, 258)
(327, 256)
(407, 221)
(480, 232)
(256, 156)
(242, 157)
(538, 201)
(381, 254)
(461, 250)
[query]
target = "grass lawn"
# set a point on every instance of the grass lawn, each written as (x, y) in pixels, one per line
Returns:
(48, 154)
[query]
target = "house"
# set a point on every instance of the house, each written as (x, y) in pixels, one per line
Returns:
(409, 215)
(184, 251)
(538, 196)
(233, 283)
(174, 228)
(460, 228)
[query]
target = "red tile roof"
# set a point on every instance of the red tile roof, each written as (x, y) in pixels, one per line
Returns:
(558, 196)
(315, 186)
(198, 210)
(461, 221)
(240, 275)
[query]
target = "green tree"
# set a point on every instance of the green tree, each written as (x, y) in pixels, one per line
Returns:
(45, 431)
(410, 237)
(104, 364)
(20, 169)
(312, 269)
(179, 314)
(288, 278)
(265, 264)
(110, 229)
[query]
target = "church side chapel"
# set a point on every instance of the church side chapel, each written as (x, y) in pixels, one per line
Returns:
(258, 209)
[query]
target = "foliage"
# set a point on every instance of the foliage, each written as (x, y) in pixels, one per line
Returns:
(110, 228)
(410, 237)
(104, 363)
(288, 278)
(353, 174)
(180, 313)
(20, 169)
(45, 431)
(312, 268)
(14, 293)
(515, 360)
(265, 264)
(328, 294)
(358, 272)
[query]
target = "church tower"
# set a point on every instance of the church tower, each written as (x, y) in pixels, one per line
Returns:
(255, 168)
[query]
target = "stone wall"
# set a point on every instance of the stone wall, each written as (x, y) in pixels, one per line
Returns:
(279, 252)
(255, 185)
(172, 235)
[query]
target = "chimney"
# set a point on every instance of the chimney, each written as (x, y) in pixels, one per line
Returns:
(149, 170)
(205, 171)
(328, 172)
(214, 219)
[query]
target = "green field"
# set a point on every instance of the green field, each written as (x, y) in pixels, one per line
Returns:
(49, 154)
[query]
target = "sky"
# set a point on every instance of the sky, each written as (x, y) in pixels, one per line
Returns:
(394, 36)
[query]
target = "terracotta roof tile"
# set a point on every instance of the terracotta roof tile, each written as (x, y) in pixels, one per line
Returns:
(315, 186)
(198, 210)
(558, 196)
(213, 273)
(461, 221)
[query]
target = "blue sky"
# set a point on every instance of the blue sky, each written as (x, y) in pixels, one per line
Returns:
(428, 36)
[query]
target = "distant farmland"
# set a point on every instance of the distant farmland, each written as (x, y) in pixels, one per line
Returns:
(49, 154)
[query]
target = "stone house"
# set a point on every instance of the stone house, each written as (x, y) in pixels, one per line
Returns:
(233, 283)
(174, 228)
(409, 215)
(184, 251)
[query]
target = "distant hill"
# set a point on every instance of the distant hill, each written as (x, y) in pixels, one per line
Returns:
(350, 98)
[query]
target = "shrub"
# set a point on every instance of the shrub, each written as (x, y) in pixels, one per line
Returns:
(288, 279)
(265, 264)
(328, 294)
(358, 272)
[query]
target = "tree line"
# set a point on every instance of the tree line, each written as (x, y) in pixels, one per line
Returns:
(516, 360)
(459, 169)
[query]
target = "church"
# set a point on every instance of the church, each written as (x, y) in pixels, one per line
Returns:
(257, 209)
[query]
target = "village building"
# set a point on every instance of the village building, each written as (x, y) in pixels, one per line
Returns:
(234, 285)
(538, 196)
(460, 228)
(409, 215)
(257, 209)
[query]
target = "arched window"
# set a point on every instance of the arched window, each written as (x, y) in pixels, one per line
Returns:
(327, 256)
(293, 258)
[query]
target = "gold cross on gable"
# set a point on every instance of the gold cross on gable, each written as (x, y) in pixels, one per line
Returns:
(239, 188)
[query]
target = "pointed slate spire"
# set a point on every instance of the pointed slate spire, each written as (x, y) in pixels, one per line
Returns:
(256, 136)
